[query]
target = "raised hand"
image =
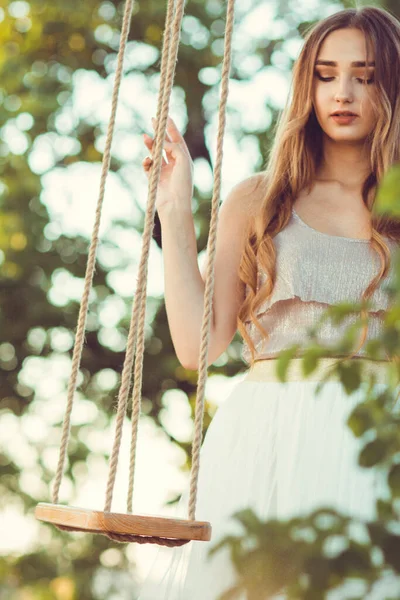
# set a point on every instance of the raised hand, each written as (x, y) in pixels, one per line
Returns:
(176, 178)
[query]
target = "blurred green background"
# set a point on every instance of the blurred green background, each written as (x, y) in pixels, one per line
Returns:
(57, 61)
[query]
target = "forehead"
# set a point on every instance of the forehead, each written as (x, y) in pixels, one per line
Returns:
(345, 46)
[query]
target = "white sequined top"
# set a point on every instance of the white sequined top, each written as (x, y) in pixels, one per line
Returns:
(313, 270)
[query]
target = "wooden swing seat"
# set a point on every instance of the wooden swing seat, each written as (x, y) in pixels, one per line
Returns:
(120, 524)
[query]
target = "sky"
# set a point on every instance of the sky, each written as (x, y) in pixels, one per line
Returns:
(73, 192)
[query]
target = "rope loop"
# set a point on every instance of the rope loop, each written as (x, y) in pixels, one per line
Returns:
(129, 537)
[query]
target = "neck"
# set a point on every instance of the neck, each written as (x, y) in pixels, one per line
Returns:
(344, 163)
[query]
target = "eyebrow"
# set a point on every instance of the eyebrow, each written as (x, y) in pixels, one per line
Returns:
(332, 63)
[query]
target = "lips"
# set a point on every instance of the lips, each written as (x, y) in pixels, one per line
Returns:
(343, 114)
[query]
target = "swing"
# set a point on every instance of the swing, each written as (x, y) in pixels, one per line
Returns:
(129, 527)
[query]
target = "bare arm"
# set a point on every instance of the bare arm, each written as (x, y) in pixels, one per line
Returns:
(184, 283)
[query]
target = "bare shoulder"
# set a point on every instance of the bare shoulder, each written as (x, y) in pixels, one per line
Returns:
(246, 196)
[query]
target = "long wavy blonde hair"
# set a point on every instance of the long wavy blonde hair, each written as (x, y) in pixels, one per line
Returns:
(296, 155)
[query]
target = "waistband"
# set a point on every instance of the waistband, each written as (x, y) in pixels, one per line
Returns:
(265, 370)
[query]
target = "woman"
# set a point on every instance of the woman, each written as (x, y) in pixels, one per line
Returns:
(291, 241)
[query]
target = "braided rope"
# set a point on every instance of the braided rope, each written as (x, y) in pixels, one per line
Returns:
(80, 333)
(128, 537)
(211, 247)
(168, 62)
(136, 332)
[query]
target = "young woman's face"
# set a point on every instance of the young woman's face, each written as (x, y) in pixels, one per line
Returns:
(346, 86)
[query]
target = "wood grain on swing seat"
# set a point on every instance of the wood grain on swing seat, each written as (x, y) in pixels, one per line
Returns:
(95, 521)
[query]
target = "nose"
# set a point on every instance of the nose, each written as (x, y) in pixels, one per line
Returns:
(344, 92)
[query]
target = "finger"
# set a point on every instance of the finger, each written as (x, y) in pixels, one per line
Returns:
(149, 142)
(154, 123)
(175, 134)
(148, 161)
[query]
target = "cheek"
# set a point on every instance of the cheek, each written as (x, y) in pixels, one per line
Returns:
(367, 108)
(319, 100)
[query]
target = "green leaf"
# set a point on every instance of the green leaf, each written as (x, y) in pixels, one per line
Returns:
(360, 420)
(249, 520)
(388, 197)
(385, 509)
(350, 375)
(283, 361)
(311, 359)
(373, 453)
(390, 340)
(394, 480)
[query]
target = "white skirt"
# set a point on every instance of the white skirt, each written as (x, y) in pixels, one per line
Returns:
(282, 450)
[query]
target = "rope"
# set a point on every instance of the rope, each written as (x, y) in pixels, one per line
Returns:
(80, 333)
(136, 332)
(168, 62)
(211, 246)
(128, 537)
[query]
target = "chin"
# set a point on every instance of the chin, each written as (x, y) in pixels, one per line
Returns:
(351, 136)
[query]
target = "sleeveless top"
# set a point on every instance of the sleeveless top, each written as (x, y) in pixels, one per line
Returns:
(313, 270)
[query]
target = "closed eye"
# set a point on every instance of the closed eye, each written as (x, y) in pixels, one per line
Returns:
(360, 79)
